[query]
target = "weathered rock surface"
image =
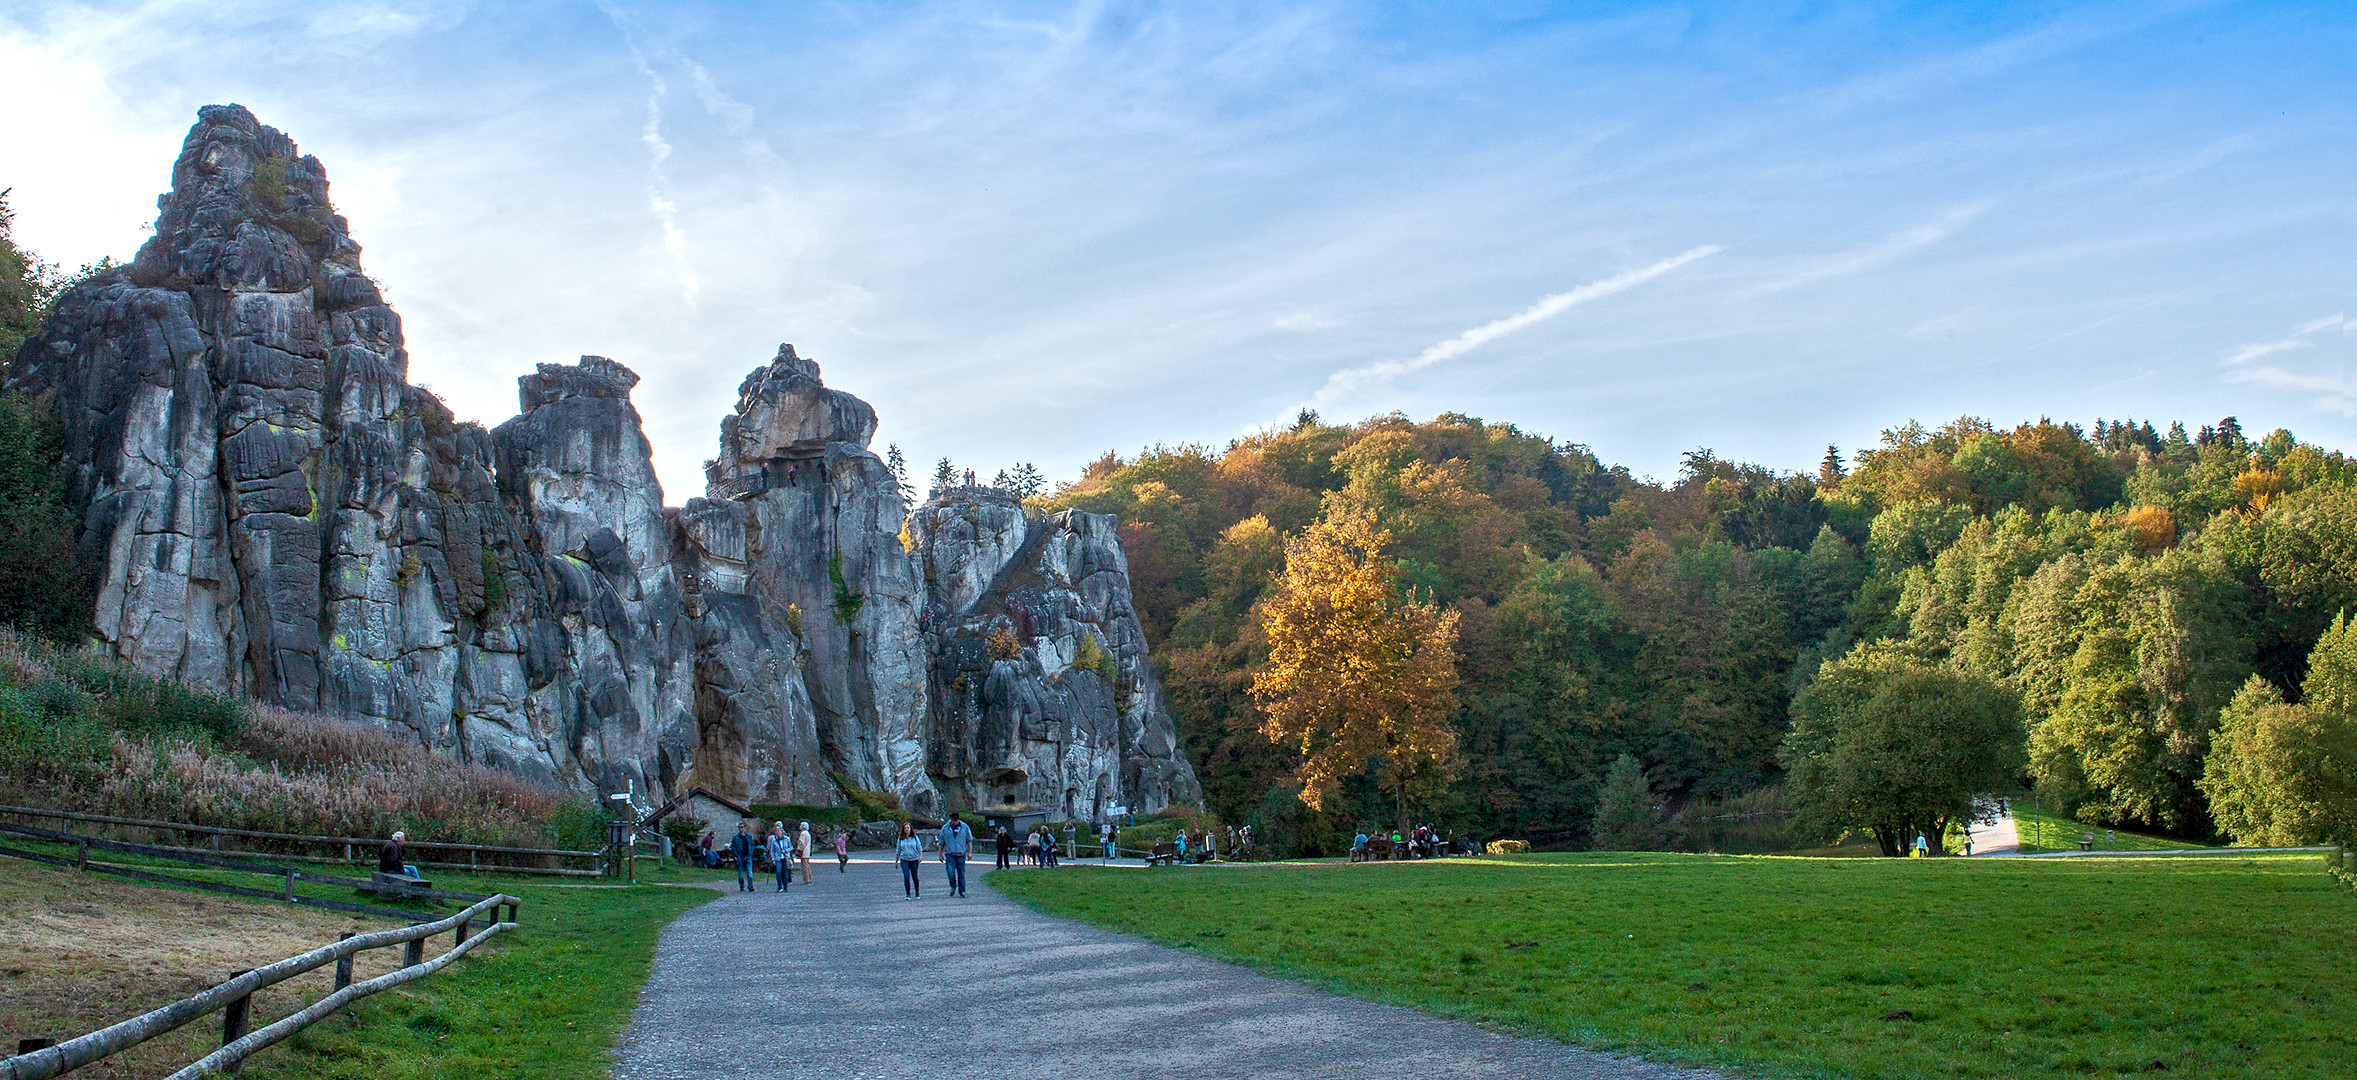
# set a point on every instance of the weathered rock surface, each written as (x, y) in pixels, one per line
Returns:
(277, 511)
(1043, 690)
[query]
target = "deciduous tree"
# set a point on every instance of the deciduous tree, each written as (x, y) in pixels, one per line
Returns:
(1356, 673)
(2280, 773)
(1885, 742)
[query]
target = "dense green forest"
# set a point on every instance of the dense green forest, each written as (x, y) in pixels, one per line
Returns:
(2120, 582)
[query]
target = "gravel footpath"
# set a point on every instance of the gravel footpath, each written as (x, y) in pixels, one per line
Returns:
(843, 978)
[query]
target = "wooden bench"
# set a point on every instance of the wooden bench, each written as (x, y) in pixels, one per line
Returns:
(396, 885)
(1164, 854)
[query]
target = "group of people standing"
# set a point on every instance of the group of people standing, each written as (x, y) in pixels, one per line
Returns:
(783, 852)
(1040, 847)
(1422, 842)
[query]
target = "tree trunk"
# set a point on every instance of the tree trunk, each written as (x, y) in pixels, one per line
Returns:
(1400, 795)
(1937, 837)
(1888, 838)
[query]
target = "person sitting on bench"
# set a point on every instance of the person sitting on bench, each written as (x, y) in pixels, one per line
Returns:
(388, 857)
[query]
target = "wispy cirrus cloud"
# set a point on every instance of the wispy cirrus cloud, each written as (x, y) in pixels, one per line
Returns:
(1869, 256)
(1350, 382)
(2332, 385)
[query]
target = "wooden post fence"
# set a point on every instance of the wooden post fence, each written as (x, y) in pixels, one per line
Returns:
(234, 1000)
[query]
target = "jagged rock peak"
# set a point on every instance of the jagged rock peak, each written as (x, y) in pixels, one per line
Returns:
(247, 211)
(783, 411)
(594, 377)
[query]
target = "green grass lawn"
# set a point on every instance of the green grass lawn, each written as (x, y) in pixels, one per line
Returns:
(547, 999)
(1780, 966)
(2062, 834)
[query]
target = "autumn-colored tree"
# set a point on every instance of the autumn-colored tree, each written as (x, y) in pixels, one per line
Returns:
(1355, 671)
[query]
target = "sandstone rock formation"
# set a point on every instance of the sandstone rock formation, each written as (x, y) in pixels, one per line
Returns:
(278, 512)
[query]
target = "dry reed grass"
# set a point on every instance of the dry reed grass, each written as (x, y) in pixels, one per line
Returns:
(275, 771)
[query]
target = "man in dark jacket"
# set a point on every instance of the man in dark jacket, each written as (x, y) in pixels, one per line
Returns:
(741, 845)
(388, 857)
(1006, 847)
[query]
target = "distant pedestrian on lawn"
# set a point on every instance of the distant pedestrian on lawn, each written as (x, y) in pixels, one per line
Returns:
(1105, 836)
(741, 846)
(1031, 847)
(911, 853)
(957, 838)
(781, 857)
(802, 849)
(842, 851)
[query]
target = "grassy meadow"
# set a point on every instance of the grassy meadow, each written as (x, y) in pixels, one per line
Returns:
(2217, 966)
(547, 999)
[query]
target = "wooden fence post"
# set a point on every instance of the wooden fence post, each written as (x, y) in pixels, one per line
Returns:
(466, 928)
(413, 952)
(470, 858)
(235, 1018)
(81, 854)
(290, 886)
(344, 965)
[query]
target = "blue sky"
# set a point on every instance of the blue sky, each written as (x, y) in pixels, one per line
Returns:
(1037, 232)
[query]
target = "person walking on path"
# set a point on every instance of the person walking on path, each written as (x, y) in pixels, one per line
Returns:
(956, 840)
(1105, 837)
(842, 851)
(781, 857)
(741, 846)
(1006, 847)
(802, 849)
(911, 853)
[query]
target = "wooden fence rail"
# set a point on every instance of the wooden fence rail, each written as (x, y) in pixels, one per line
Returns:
(232, 998)
(287, 874)
(350, 844)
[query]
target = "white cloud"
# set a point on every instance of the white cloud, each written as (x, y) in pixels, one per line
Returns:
(1875, 254)
(1353, 381)
(2332, 386)
(2300, 338)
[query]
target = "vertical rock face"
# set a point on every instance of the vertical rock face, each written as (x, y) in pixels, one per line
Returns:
(278, 512)
(1043, 690)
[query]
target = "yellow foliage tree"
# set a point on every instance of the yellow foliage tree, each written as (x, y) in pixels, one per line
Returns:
(1355, 673)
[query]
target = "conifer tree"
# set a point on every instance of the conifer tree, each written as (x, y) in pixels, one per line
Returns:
(898, 463)
(1626, 819)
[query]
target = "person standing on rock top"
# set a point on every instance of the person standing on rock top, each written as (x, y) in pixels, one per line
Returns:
(956, 840)
(911, 853)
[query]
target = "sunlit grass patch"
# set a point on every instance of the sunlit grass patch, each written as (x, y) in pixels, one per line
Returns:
(2221, 966)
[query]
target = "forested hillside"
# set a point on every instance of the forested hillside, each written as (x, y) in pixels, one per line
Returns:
(2123, 581)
